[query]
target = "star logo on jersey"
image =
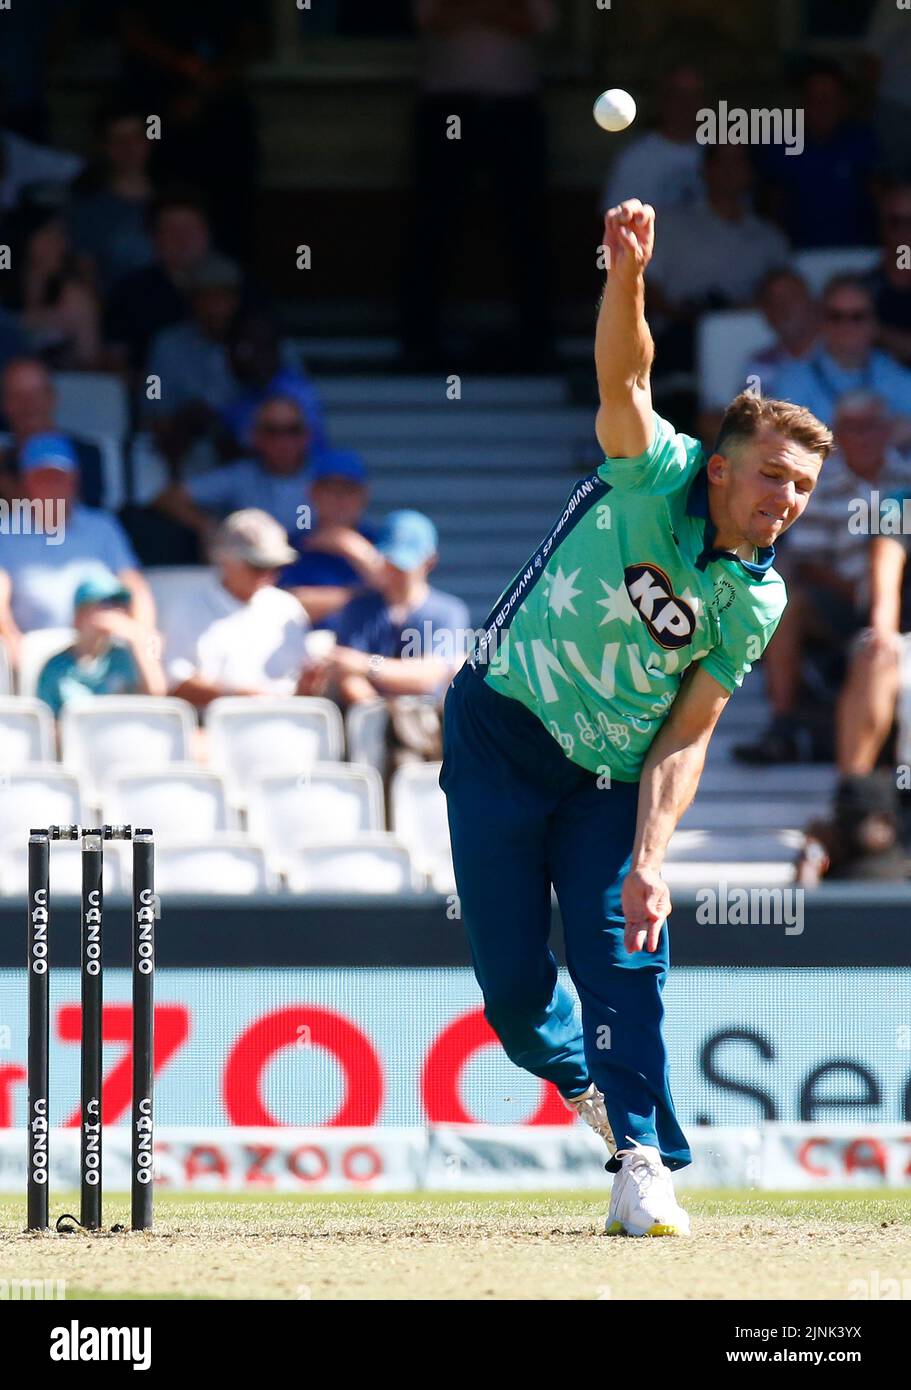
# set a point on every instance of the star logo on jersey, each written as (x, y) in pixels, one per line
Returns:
(617, 606)
(669, 617)
(561, 593)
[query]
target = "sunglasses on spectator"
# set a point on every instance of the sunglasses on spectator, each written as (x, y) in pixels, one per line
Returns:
(848, 315)
(287, 430)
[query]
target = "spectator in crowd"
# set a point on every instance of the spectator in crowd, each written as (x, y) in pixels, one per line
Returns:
(24, 163)
(709, 256)
(890, 282)
(108, 216)
(478, 62)
(113, 654)
(274, 478)
(664, 166)
(42, 567)
(188, 373)
(238, 634)
(793, 315)
(49, 293)
(825, 562)
(401, 637)
(867, 704)
(255, 352)
(336, 554)
(823, 196)
(186, 62)
(152, 297)
(28, 401)
(888, 43)
(846, 359)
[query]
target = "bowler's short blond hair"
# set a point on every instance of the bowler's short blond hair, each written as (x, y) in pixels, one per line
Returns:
(748, 414)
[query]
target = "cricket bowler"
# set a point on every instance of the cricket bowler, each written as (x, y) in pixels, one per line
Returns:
(576, 732)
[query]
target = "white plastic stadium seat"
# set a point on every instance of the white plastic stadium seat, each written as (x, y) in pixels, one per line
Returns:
(818, 266)
(365, 733)
(40, 794)
(418, 809)
(180, 799)
(26, 732)
(376, 863)
(36, 651)
(329, 801)
(228, 866)
(66, 871)
(125, 731)
(92, 403)
(724, 343)
(253, 735)
(172, 585)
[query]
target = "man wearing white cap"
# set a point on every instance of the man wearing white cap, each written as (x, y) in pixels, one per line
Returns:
(238, 634)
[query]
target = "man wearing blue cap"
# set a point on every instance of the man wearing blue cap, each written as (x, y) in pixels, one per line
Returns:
(401, 637)
(112, 654)
(63, 543)
(337, 554)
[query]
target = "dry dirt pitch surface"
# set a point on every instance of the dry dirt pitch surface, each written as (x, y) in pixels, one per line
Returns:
(522, 1246)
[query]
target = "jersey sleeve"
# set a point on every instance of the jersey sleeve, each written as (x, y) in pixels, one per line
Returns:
(746, 630)
(665, 465)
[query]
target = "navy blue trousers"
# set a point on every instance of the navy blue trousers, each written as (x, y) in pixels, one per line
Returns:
(523, 818)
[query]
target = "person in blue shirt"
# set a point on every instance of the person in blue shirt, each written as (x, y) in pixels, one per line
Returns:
(337, 554)
(275, 478)
(53, 543)
(112, 653)
(846, 359)
(402, 637)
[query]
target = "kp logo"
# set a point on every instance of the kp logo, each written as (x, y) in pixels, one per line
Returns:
(669, 619)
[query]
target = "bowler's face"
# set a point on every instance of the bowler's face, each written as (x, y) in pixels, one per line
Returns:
(768, 486)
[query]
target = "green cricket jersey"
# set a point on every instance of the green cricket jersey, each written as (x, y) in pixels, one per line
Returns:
(595, 633)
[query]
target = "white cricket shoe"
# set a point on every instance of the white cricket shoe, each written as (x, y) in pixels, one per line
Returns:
(590, 1108)
(642, 1200)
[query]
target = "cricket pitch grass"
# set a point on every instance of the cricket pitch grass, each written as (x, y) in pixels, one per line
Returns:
(745, 1245)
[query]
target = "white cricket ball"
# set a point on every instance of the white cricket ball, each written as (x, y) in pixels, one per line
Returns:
(615, 109)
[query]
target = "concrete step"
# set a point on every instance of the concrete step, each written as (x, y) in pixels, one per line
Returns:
(457, 423)
(398, 392)
(514, 457)
(714, 812)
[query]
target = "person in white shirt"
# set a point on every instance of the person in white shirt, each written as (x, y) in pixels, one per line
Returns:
(238, 634)
(715, 254)
(664, 166)
(51, 543)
